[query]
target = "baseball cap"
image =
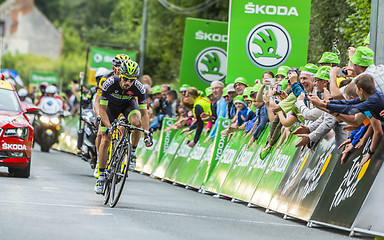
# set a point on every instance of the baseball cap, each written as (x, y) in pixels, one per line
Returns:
(363, 57)
(225, 92)
(282, 70)
(184, 87)
(239, 99)
(323, 73)
(256, 88)
(241, 80)
(230, 88)
(309, 69)
(208, 91)
(329, 57)
(156, 89)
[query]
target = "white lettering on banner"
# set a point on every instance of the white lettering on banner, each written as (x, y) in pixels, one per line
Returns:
(245, 159)
(228, 156)
(197, 153)
(348, 186)
(251, 8)
(239, 157)
(315, 174)
(214, 37)
(172, 148)
(220, 147)
(280, 163)
(108, 59)
(166, 141)
(6, 146)
(295, 172)
(183, 151)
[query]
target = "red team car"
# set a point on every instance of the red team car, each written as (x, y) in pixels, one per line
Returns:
(16, 132)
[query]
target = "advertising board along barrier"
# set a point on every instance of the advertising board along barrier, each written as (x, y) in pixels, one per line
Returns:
(347, 189)
(167, 158)
(274, 172)
(145, 153)
(231, 151)
(191, 164)
(254, 171)
(165, 139)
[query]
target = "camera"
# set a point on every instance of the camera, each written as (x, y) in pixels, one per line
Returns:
(296, 70)
(278, 89)
(343, 72)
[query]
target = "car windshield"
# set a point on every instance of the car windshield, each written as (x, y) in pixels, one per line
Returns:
(8, 101)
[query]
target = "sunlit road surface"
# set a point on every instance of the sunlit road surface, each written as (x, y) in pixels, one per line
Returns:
(58, 202)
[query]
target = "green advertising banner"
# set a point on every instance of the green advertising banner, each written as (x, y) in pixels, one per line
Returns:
(266, 34)
(212, 156)
(37, 78)
(204, 56)
(102, 57)
(144, 153)
(219, 174)
(280, 161)
(192, 162)
(178, 161)
(169, 155)
(255, 170)
(164, 139)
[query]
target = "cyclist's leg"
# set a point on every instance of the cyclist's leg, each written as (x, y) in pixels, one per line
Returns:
(132, 113)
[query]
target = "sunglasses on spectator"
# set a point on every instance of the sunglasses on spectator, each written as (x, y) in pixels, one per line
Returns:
(126, 78)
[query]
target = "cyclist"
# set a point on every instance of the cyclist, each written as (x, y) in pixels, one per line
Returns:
(122, 94)
(116, 63)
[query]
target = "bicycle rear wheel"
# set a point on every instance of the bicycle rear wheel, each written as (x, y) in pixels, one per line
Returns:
(120, 174)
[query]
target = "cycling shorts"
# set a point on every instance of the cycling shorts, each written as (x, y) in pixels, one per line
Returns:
(114, 111)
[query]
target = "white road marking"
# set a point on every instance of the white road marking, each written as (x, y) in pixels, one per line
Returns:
(152, 212)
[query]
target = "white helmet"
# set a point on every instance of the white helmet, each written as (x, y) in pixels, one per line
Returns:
(101, 71)
(22, 92)
(51, 89)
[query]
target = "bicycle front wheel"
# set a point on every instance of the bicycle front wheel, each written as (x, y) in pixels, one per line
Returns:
(120, 175)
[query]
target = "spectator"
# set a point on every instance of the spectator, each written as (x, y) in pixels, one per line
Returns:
(240, 85)
(146, 80)
(231, 110)
(170, 110)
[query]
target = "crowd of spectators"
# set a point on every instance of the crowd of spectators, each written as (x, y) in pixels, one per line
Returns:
(307, 101)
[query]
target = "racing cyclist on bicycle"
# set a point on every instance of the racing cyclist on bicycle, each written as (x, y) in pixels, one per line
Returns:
(119, 95)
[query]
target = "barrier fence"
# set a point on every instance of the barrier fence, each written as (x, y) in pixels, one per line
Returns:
(310, 185)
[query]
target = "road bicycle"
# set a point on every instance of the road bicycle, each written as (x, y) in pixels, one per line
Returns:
(118, 160)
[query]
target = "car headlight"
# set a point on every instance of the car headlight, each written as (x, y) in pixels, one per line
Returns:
(55, 120)
(16, 132)
(44, 119)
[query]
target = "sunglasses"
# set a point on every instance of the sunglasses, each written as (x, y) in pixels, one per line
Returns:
(129, 79)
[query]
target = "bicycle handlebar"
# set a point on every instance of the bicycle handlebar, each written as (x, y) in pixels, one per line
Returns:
(131, 127)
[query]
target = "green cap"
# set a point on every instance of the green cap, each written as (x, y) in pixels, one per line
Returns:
(282, 70)
(309, 68)
(256, 88)
(184, 87)
(363, 57)
(239, 99)
(247, 91)
(329, 57)
(323, 73)
(241, 80)
(208, 91)
(225, 92)
(156, 89)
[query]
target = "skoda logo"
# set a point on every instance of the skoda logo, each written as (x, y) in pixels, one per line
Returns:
(211, 64)
(97, 58)
(169, 122)
(268, 45)
(226, 124)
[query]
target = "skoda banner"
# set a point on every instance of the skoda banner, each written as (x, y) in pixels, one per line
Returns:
(102, 57)
(204, 57)
(265, 35)
(38, 77)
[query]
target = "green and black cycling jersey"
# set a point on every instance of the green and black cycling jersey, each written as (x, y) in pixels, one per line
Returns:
(113, 94)
(100, 82)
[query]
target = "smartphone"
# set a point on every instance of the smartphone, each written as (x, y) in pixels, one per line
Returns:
(267, 87)
(272, 81)
(279, 88)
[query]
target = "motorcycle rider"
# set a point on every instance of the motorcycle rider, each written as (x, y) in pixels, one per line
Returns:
(23, 95)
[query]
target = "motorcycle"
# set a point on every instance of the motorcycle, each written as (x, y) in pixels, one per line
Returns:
(87, 145)
(47, 123)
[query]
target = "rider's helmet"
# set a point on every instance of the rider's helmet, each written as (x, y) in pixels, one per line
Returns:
(22, 92)
(43, 86)
(130, 68)
(51, 90)
(116, 61)
(101, 71)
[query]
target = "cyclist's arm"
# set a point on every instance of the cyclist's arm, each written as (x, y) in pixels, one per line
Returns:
(96, 107)
(144, 119)
(104, 116)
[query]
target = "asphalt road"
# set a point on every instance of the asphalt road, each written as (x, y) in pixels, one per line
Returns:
(58, 202)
